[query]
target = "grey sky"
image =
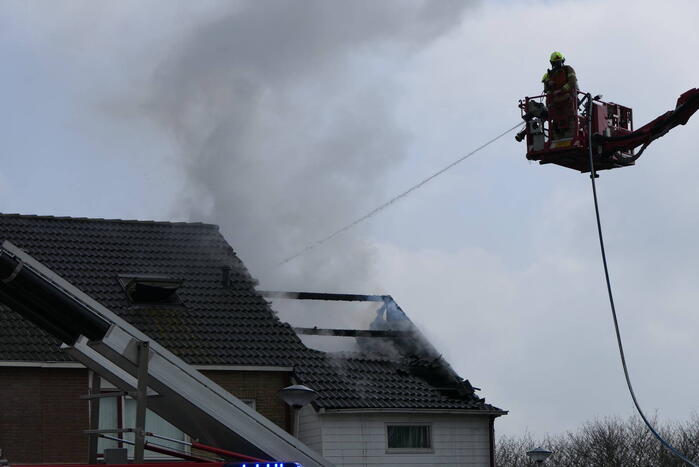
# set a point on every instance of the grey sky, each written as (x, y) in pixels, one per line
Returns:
(281, 121)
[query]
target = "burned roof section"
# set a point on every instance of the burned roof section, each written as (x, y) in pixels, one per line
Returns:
(396, 367)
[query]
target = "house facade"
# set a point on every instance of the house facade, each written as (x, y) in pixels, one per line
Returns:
(377, 411)
(363, 437)
(183, 286)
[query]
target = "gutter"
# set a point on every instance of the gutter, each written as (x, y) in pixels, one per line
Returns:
(491, 413)
(55, 364)
(33, 364)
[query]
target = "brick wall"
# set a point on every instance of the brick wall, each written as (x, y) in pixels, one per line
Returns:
(41, 415)
(258, 385)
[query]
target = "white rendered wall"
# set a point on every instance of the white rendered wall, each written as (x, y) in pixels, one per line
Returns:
(309, 430)
(354, 440)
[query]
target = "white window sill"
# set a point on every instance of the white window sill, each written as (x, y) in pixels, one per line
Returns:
(409, 451)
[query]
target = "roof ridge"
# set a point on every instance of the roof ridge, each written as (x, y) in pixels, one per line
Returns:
(100, 219)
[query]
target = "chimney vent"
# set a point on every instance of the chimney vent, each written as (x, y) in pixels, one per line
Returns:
(226, 276)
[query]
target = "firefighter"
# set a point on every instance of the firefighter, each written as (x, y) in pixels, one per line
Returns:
(561, 88)
(560, 77)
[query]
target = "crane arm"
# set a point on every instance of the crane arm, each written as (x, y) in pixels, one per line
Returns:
(687, 105)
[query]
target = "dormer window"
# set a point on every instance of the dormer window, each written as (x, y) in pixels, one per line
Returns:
(148, 288)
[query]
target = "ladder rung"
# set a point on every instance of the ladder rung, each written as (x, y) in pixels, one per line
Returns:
(101, 395)
(111, 430)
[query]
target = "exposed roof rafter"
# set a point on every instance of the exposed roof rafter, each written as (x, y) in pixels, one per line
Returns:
(351, 332)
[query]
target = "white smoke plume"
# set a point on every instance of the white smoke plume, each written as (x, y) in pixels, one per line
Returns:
(282, 114)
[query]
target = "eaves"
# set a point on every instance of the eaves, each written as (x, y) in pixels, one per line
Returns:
(39, 364)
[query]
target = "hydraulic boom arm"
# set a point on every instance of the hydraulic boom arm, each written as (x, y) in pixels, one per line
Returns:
(687, 105)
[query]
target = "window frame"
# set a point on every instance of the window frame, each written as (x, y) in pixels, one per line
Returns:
(430, 430)
(130, 283)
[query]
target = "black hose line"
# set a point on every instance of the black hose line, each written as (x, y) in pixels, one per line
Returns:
(593, 175)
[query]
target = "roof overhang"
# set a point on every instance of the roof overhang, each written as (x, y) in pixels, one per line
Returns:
(25, 364)
(283, 369)
(491, 413)
(50, 364)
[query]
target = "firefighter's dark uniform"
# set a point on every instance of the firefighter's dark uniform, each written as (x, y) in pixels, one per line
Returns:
(561, 87)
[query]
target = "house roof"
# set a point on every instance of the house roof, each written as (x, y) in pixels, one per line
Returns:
(350, 381)
(212, 325)
(209, 324)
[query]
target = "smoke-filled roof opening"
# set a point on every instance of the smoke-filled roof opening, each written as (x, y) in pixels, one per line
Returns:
(391, 337)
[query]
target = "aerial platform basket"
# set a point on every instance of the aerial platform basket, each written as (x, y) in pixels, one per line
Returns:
(558, 127)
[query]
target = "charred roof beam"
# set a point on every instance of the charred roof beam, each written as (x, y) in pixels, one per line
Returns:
(337, 297)
(351, 332)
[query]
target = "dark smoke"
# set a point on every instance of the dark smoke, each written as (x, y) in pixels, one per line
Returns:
(282, 112)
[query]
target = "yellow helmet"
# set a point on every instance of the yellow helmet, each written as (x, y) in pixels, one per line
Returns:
(557, 56)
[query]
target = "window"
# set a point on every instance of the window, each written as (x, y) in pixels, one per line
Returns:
(120, 412)
(404, 437)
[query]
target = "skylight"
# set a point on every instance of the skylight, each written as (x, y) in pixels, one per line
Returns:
(149, 288)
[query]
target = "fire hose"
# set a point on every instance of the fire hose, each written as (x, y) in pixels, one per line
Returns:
(593, 175)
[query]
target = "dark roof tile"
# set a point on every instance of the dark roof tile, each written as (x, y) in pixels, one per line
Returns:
(368, 381)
